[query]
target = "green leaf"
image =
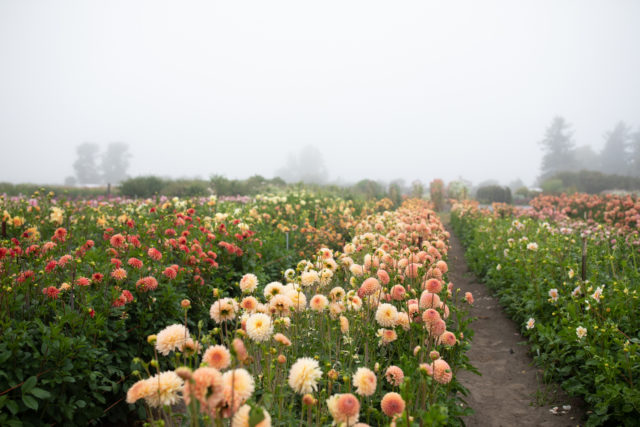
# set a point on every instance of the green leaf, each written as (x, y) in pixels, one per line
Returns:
(40, 393)
(30, 402)
(13, 406)
(256, 415)
(29, 384)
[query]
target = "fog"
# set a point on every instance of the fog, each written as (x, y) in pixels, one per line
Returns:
(383, 90)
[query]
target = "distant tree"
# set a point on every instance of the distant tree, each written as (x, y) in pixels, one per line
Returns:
(584, 158)
(436, 193)
(417, 189)
(458, 190)
(86, 166)
(552, 186)
(70, 181)
(493, 193)
(487, 183)
(558, 147)
(395, 193)
(614, 154)
(515, 184)
(522, 192)
(634, 155)
(591, 182)
(368, 189)
(115, 162)
(307, 166)
(401, 185)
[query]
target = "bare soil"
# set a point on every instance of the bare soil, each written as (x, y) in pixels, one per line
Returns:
(510, 391)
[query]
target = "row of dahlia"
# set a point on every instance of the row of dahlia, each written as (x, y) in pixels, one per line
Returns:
(369, 335)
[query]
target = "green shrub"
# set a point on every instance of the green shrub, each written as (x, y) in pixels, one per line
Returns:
(591, 182)
(142, 186)
(493, 194)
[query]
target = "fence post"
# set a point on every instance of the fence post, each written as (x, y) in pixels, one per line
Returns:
(584, 259)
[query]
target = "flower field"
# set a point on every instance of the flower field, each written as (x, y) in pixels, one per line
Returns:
(567, 271)
(274, 311)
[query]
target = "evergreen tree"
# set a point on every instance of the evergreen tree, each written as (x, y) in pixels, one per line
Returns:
(634, 155)
(614, 154)
(558, 146)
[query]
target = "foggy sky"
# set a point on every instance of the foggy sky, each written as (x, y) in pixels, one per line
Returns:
(384, 89)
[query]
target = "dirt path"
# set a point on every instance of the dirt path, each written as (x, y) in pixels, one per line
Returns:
(510, 385)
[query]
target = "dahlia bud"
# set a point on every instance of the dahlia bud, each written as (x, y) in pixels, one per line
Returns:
(308, 400)
(184, 373)
(151, 339)
(185, 303)
(240, 349)
(282, 359)
(434, 355)
(333, 374)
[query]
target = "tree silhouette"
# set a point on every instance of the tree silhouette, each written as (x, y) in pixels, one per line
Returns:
(558, 146)
(86, 166)
(308, 166)
(634, 158)
(614, 153)
(115, 162)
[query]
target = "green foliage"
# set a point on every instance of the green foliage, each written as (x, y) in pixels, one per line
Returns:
(590, 182)
(70, 192)
(436, 193)
(237, 187)
(526, 261)
(493, 194)
(66, 360)
(142, 186)
(458, 190)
